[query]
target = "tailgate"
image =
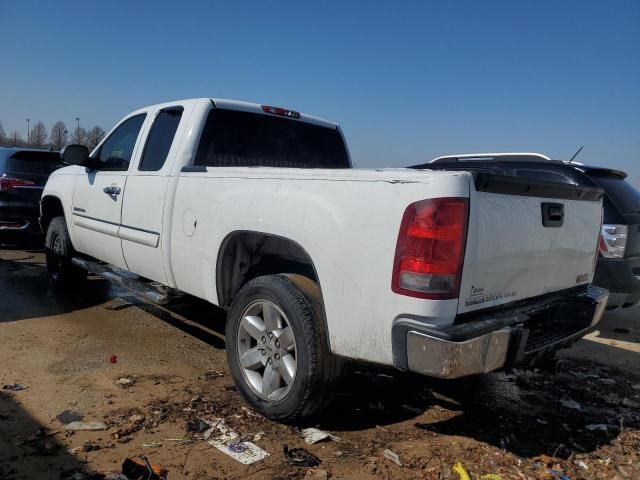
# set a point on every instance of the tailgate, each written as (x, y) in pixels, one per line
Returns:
(527, 238)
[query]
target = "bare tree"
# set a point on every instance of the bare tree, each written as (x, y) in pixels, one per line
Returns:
(3, 136)
(15, 140)
(79, 136)
(94, 136)
(59, 135)
(38, 135)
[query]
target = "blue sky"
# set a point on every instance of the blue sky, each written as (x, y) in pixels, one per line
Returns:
(407, 80)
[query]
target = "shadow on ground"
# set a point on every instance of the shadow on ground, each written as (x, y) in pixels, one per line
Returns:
(29, 450)
(528, 413)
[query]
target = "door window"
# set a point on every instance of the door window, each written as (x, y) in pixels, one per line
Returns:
(116, 151)
(160, 139)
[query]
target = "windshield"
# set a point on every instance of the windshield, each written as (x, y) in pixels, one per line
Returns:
(621, 193)
(233, 138)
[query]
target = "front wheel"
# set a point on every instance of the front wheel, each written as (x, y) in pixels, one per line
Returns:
(277, 347)
(59, 251)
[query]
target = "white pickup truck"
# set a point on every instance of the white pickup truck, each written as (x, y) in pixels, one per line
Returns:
(257, 209)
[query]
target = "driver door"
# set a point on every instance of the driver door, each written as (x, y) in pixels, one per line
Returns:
(98, 194)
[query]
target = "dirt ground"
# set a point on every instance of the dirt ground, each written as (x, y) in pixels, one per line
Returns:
(582, 423)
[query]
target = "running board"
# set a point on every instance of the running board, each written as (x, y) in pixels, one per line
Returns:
(136, 286)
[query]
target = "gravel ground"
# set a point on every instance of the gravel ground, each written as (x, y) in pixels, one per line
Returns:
(582, 422)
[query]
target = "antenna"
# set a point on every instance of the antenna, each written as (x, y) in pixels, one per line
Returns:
(576, 154)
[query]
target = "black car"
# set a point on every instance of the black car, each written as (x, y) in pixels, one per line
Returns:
(23, 174)
(618, 267)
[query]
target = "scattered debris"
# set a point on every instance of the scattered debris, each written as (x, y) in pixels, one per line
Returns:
(571, 404)
(14, 387)
(597, 426)
(141, 469)
(490, 476)
(315, 435)
(413, 409)
(68, 416)
(197, 426)
(461, 471)
(300, 457)
(152, 445)
(125, 382)
(90, 447)
(85, 426)
(113, 359)
(393, 456)
(582, 465)
(230, 443)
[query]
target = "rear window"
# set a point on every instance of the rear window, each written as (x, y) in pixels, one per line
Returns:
(42, 163)
(544, 175)
(243, 139)
(621, 193)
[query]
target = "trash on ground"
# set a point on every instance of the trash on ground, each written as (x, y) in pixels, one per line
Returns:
(87, 426)
(571, 404)
(230, 443)
(582, 465)
(315, 435)
(197, 426)
(300, 457)
(461, 471)
(152, 445)
(125, 382)
(141, 469)
(113, 359)
(393, 456)
(490, 476)
(597, 426)
(413, 409)
(68, 416)
(14, 387)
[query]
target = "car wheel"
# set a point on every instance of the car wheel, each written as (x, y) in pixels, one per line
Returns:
(59, 251)
(277, 347)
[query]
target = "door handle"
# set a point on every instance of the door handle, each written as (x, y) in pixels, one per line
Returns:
(112, 190)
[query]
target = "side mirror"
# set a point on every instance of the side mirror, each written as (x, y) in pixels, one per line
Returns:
(76, 155)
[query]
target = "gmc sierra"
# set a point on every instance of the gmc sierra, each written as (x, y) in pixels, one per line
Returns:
(257, 209)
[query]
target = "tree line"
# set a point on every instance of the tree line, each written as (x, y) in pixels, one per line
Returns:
(56, 139)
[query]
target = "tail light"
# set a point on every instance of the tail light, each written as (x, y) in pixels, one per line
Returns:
(430, 249)
(7, 183)
(283, 112)
(613, 241)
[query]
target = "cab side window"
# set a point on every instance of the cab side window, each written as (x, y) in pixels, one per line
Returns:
(116, 151)
(160, 139)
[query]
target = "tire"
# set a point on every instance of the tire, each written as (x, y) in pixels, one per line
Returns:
(251, 351)
(59, 252)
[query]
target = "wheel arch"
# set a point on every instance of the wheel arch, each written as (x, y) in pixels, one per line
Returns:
(247, 254)
(50, 207)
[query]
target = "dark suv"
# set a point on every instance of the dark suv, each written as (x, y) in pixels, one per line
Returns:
(23, 173)
(618, 267)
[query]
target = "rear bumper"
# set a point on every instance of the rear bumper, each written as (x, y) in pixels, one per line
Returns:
(621, 276)
(501, 339)
(19, 220)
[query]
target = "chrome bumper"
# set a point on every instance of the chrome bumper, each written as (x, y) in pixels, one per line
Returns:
(506, 338)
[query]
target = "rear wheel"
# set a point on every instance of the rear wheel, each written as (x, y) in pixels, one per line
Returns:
(277, 347)
(59, 252)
